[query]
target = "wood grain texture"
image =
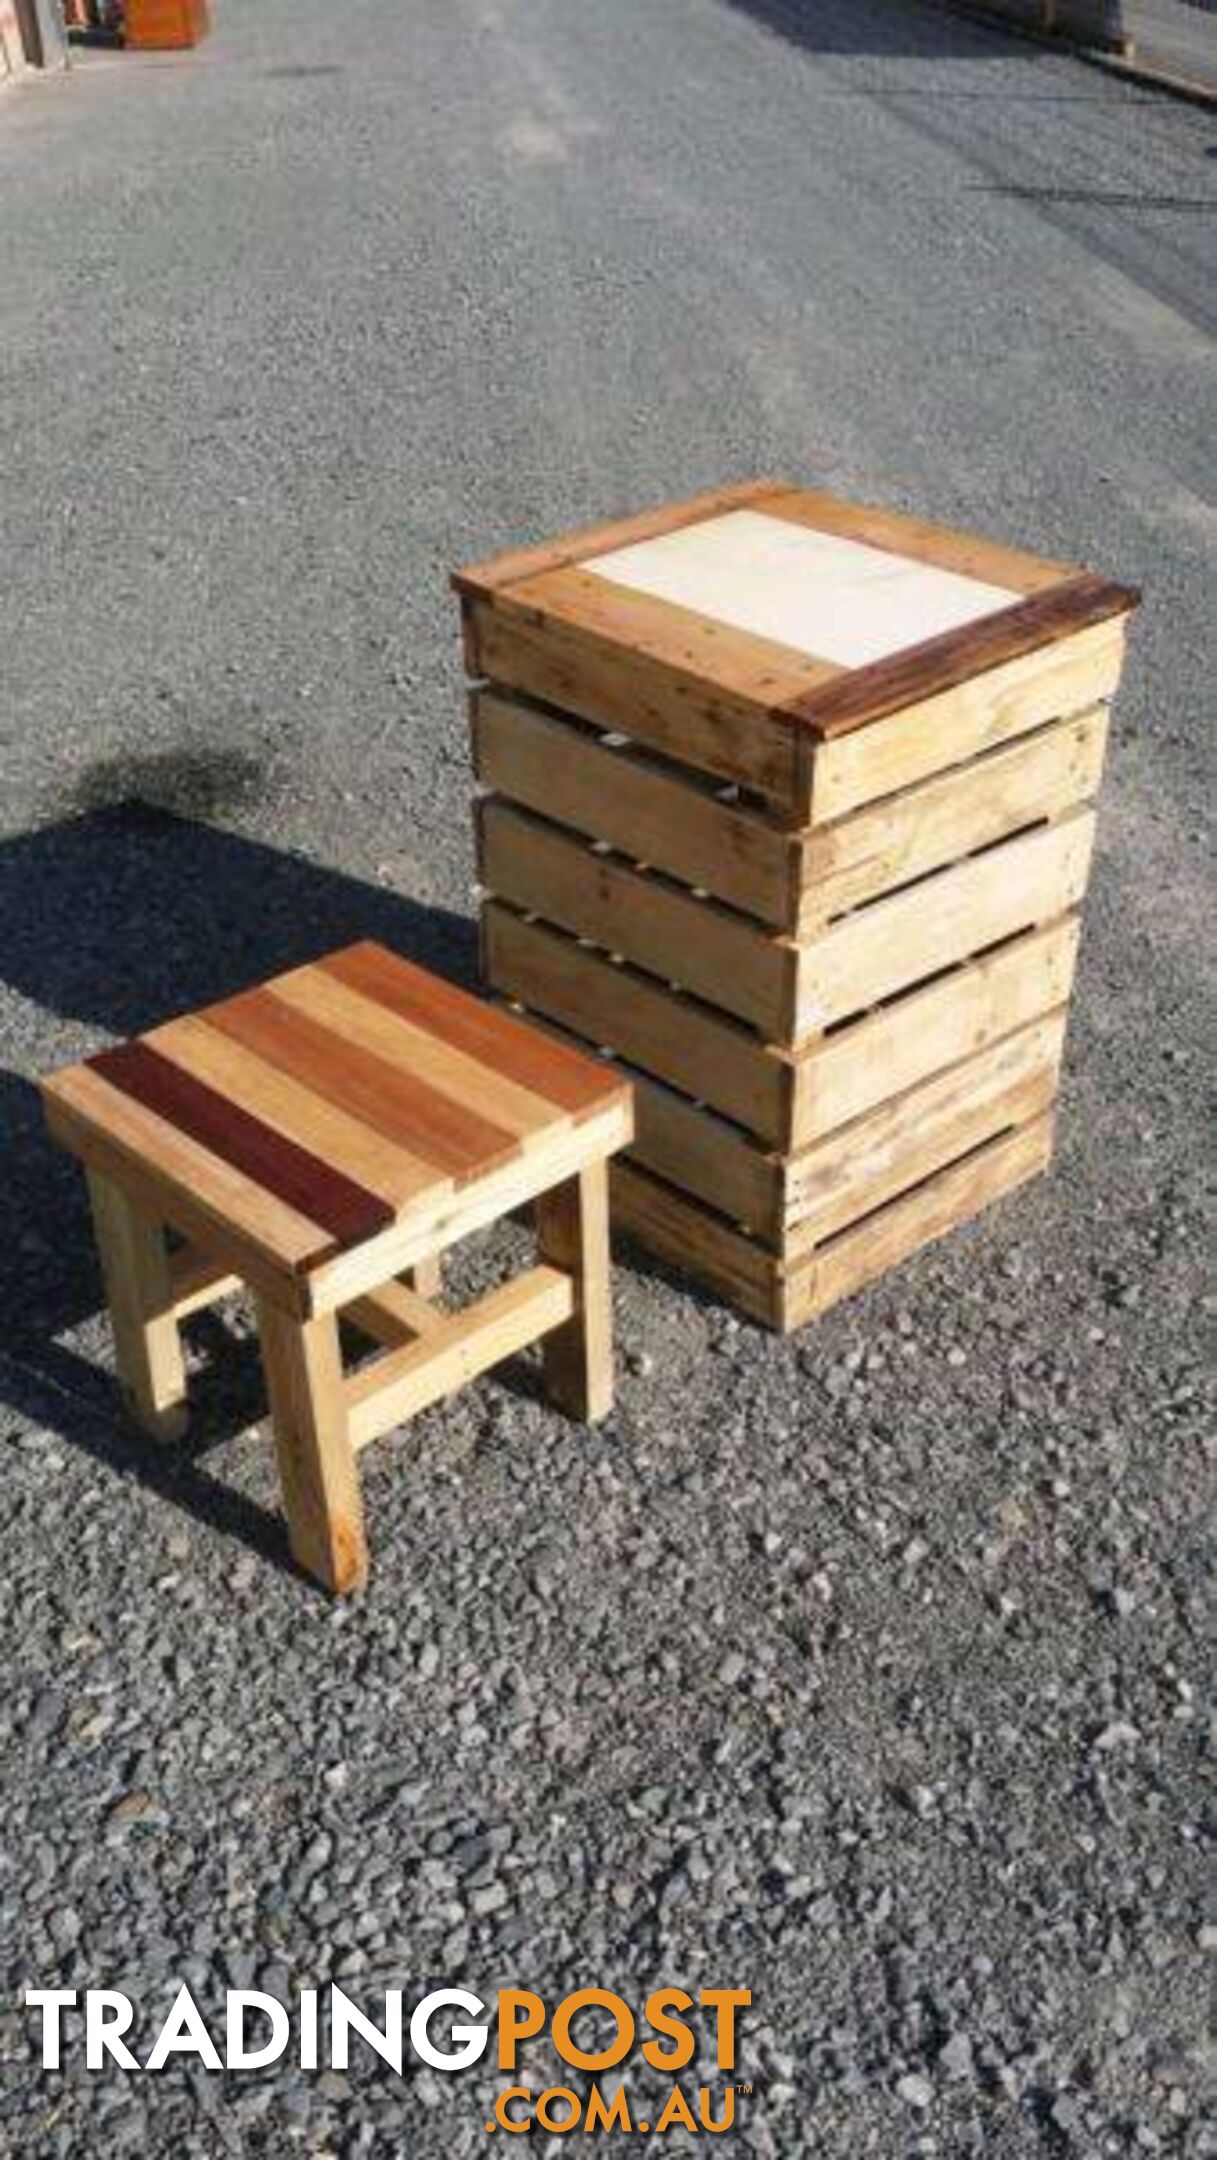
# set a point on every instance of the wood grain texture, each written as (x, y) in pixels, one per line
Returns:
(422, 1232)
(857, 1067)
(706, 1155)
(381, 1094)
(175, 1180)
(143, 1317)
(708, 1055)
(396, 1386)
(653, 811)
(487, 1097)
(760, 670)
(697, 1242)
(922, 671)
(931, 824)
(663, 702)
(573, 1236)
(718, 954)
(907, 936)
(1058, 682)
(296, 1110)
(894, 1233)
(317, 1472)
(293, 1175)
(864, 1164)
(563, 1077)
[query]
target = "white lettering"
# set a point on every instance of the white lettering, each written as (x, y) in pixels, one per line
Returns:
(308, 2028)
(471, 2039)
(238, 2053)
(346, 2016)
(183, 2032)
(102, 2029)
(50, 2001)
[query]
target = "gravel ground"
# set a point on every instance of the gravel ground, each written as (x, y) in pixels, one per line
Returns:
(861, 1670)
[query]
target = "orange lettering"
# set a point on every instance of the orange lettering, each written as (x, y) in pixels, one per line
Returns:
(584, 1999)
(673, 2028)
(726, 2001)
(510, 2122)
(513, 2028)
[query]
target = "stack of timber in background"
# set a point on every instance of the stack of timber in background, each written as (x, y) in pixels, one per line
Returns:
(164, 25)
(12, 44)
(787, 809)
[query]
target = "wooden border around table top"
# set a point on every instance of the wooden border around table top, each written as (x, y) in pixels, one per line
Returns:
(1054, 599)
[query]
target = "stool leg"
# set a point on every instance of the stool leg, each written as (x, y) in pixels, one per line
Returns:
(147, 1345)
(317, 1471)
(572, 1233)
(427, 1277)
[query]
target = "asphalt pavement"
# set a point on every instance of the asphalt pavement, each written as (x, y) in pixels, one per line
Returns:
(862, 1670)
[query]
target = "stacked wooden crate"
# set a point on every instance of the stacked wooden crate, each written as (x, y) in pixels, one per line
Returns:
(787, 810)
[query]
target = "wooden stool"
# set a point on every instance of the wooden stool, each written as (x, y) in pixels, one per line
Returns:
(317, 1139)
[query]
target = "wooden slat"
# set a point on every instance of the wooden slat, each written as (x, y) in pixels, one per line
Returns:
(197, 1280)
(399, 1384)
(560, 1076)
(910, 935)
(720, 955)
(760, 669)
(901, 534)
(666, 703)
(852, 1070)
(920, 672)
(791, 1203)
(394, 1314)
(847, 1263)
(945, 731)
(296, 1110)
(515, 564)
(654, 813)
(698, 1150)
(926, 826)
(689, 1238)
(392, 1101)
(1058, 683)
(179, 1182)
(705, 1155)
(482, 1094)
(428, 1228)
(863, 1165)
(675, 1037)
(290, 1173)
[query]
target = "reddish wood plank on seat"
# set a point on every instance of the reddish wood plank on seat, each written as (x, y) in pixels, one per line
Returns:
(385, 1096)
(344, 1209)
(569, 1079)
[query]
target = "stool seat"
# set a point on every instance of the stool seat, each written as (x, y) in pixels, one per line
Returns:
(316, 1138)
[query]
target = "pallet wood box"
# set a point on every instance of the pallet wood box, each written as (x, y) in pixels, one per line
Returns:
(787, 806)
